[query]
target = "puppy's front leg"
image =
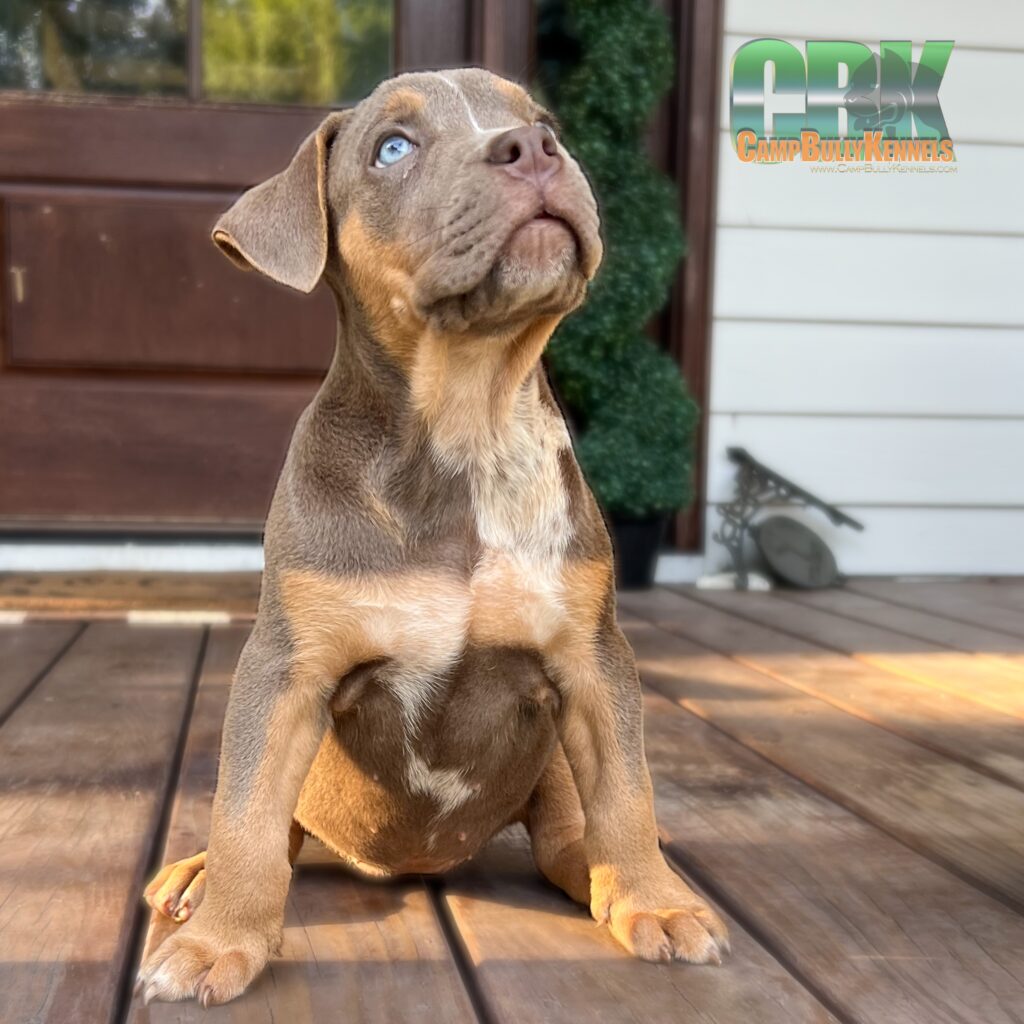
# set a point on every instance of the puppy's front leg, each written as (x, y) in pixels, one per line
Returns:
(275, 720)
(647, 906)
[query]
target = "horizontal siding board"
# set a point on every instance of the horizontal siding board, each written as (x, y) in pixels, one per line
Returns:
(983, 23)
(913, 541)
(878, 461)
(971, 200)
(894, 277)
(977, 90)
(864, 369)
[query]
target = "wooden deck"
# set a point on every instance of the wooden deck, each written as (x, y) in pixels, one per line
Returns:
(842, 773)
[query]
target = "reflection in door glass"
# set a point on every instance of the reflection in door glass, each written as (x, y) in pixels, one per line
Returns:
(318, 52)
(133, 47)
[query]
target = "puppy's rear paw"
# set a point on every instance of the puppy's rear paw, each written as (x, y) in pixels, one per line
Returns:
(178, 888)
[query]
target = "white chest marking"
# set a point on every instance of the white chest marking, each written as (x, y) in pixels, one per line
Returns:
(447, 786)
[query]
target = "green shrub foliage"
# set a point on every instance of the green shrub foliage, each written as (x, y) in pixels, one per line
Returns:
(634, 421)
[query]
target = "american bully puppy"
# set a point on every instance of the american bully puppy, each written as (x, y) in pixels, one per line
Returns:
(436, 653)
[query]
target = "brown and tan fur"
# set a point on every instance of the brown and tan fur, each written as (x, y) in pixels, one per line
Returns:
(436, 653)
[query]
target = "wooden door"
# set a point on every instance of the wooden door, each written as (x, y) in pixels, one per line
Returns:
(144, 382)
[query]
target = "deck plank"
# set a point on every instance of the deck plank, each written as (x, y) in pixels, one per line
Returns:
(998, 606)
(26, 650)
(997, 685)
(373, 953)
(948, 723)
(1006, 652)
(963, 636)
(885, 933)
(968, 822)
(540, 959)
(84, 766)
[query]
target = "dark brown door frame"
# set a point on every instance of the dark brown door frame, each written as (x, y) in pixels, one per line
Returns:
(693, 162)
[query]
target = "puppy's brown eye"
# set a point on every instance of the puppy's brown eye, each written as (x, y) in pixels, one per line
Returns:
(393, 149)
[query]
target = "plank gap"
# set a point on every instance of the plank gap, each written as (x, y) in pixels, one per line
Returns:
(137, 917)
(20, 699)
(457, 948)
(686, 865)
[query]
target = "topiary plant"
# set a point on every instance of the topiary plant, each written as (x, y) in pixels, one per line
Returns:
(604, 65)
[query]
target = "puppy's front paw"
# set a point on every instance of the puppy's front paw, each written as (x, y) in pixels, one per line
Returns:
(664, 919)
(212, 963)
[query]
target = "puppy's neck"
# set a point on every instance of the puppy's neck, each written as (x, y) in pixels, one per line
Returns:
(466, 391)
(469, 406)
(469, 392)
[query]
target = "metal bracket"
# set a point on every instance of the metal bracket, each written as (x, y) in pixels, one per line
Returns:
(756, 486)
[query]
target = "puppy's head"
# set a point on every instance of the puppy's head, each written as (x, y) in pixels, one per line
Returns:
(443, 200)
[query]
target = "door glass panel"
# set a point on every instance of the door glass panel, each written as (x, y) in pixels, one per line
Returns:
(317, 52)
(127, 47)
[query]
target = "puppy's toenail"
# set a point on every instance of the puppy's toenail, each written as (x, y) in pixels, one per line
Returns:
(149, 994)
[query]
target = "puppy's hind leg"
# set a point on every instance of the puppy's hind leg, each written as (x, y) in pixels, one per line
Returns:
(178, 888)
(554, 819)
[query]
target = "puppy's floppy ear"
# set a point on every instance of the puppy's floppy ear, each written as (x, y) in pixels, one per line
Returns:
(280, 227)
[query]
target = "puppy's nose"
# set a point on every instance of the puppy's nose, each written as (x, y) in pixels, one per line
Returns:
(530, 153)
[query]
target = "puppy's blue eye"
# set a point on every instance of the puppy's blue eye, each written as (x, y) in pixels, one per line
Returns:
(393, 149)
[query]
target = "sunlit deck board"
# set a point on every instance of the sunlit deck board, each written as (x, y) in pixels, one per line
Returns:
(971, 823)
(996, 685)
(877, 931)
(818, 831)
(949, 723)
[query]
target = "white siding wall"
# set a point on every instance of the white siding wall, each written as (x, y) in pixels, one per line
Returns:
(868, 338)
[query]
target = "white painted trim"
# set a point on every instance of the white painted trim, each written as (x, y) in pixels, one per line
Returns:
(679, 569)
(131, 556)
(191, 556)
(159, 617)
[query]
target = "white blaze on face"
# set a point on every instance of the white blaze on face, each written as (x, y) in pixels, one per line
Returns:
(473, 123)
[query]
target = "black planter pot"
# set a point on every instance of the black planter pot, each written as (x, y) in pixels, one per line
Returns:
(636, 543)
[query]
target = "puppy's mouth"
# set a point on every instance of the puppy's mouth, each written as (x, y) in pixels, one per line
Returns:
(543, 239)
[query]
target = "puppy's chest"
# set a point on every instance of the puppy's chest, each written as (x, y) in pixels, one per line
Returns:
(502, 579)
(420, 621)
